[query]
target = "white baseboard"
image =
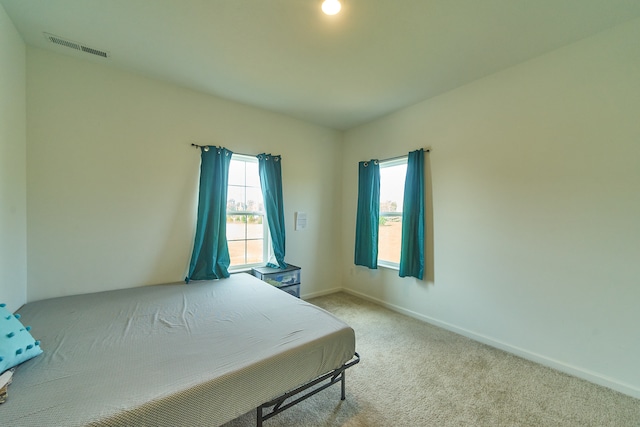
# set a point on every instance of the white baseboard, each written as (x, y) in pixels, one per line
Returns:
(584, 374)
(321, 293)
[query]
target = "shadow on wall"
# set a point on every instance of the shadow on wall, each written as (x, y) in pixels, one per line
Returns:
(429, 273)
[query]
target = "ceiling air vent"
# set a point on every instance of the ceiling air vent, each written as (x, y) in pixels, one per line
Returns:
(74, 45)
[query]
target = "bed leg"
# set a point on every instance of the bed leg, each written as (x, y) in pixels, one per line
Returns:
(259, 416)
(342, 386)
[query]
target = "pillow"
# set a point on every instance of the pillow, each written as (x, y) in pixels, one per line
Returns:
(16, 343)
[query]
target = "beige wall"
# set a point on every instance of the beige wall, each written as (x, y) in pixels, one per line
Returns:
(13, 184)
(535, 174)
(112, 179)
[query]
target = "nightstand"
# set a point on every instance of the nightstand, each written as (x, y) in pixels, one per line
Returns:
(287, 279)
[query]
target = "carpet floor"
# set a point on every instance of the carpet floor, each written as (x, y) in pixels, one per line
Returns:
(415, 374)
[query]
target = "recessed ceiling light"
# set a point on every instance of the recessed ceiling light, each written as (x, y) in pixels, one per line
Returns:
(331, 7)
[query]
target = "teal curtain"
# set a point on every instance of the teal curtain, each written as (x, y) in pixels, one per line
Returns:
(270, 171)
(412, 246)
(210, 257)
(367, 217)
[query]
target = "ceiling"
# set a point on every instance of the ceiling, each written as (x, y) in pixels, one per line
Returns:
(373, 58)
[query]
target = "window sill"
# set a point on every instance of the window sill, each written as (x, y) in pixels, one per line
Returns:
(241, 270)
(388, 265)
(246, 269)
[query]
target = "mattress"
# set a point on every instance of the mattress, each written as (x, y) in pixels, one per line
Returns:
(170, 355)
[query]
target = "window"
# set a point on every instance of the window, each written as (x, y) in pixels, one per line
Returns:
(392, 178)
(247, 230)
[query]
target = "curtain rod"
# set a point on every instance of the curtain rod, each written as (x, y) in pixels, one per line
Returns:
(426, 150)
(216, 146)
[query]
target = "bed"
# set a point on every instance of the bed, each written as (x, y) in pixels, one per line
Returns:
(167, 355)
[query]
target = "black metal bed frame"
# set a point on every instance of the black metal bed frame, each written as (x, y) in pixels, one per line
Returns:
(331, 378)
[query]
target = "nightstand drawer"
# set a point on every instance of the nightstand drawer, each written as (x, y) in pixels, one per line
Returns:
(291, 289)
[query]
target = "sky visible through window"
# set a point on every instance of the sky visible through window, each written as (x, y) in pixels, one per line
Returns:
(392, 185)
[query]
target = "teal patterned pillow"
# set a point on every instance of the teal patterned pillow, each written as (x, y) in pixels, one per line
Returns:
(16, 343)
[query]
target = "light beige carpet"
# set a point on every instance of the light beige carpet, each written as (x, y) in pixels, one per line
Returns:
(415, 374)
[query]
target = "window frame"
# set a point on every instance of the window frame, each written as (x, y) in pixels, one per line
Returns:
(403, 160)
(266, 237)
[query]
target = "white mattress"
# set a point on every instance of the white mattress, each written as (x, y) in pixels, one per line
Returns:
(170, 355)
